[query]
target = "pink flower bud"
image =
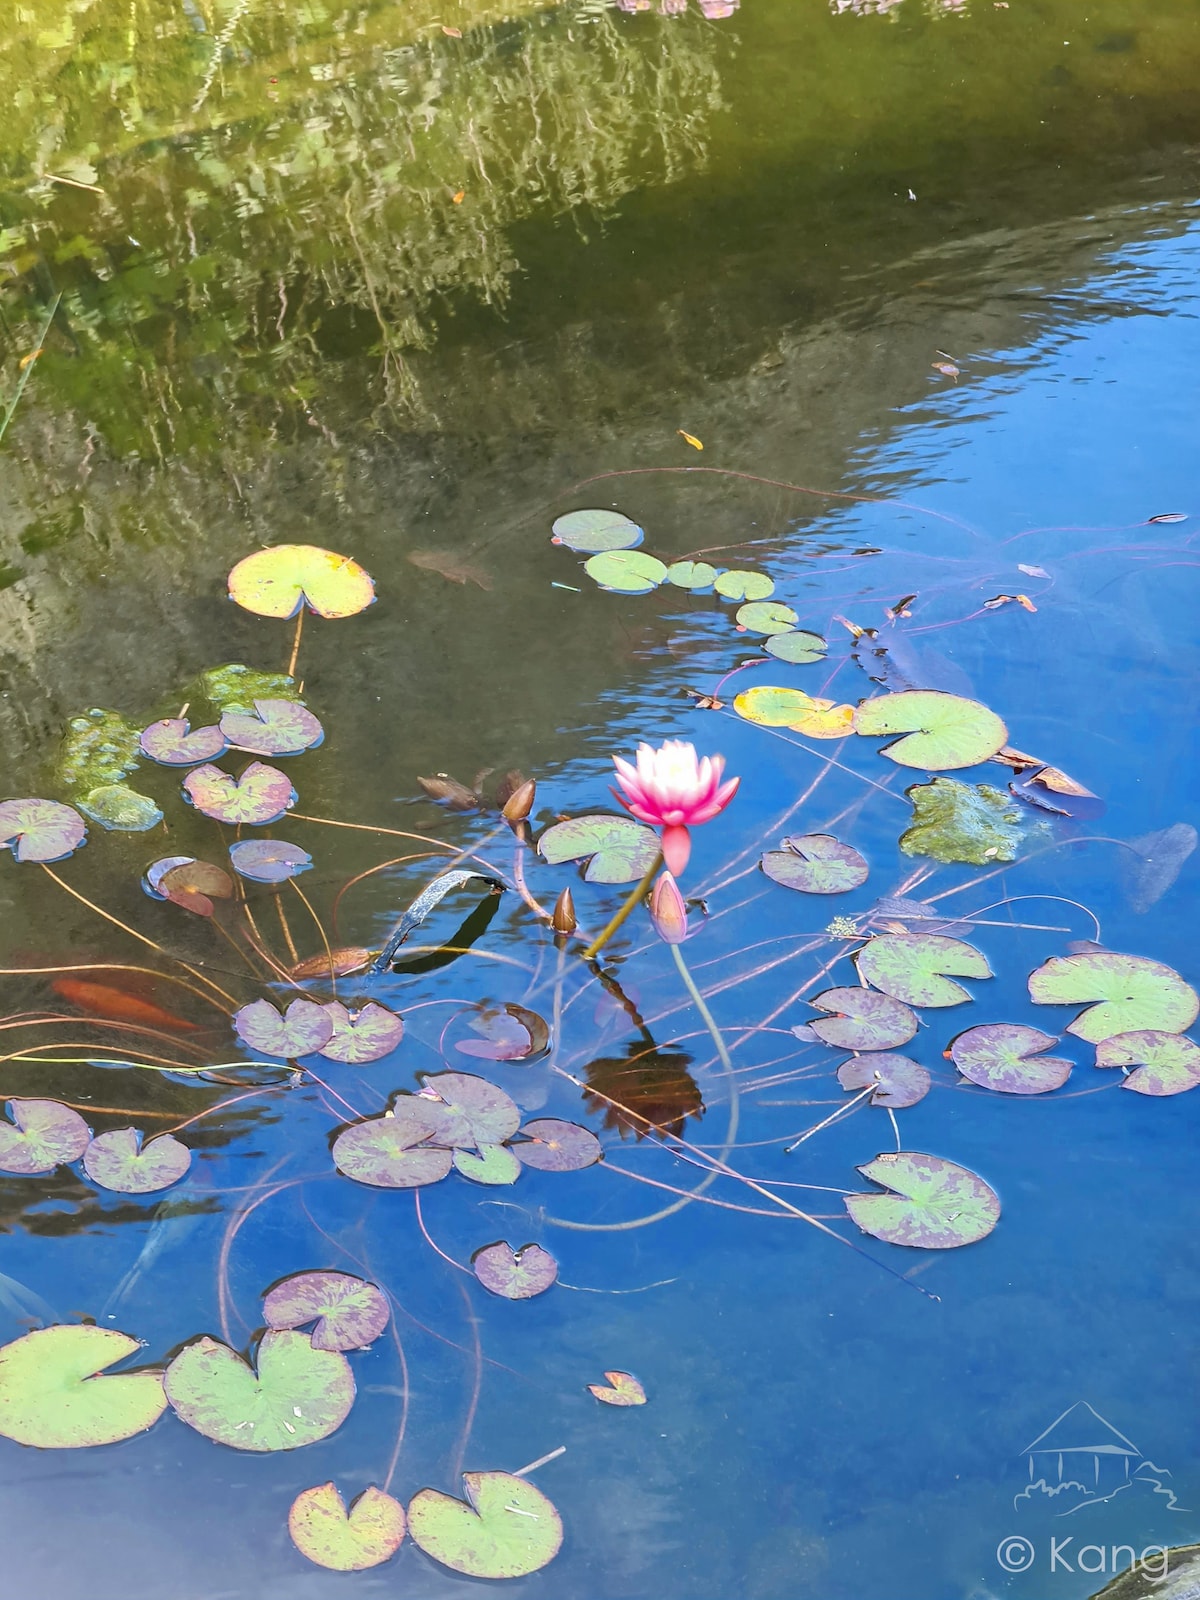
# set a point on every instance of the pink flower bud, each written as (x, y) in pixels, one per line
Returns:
(668, 910)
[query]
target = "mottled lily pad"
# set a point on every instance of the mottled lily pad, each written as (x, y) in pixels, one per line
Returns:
(626, 571)
(816, 863)
(490, 1164)
(261, 795)
(298, 1394)
(119, 1160)
(739, 585)
(766, 616)
(120, 809)
(349, 1312)
(622, 1389)
(691, 574)
(1164, 1063)
(553, 1146)
(943, 730)
(912, 967)
(42, 1135)
(897, 1081)
(40, 830)
(933, 1205)
(277, 581)
(173, 742)
(275, 728)
(617, 849)
(797, 646)
(515, 1274)
(955, 821)
(591, 531)
(303, 1030)
(474, 1112)
(389, 1152)
(1006, 1056)
(1135, 994)
(861, 1019)
(358, 1036)
(268, 860)
(506, 1528)
(51, 1394)
(367, 1535)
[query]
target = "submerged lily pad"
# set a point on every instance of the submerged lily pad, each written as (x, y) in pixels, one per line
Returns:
(261, 795)
(366, 1536)
(934, 1204)
(617, 849)
(508, 1033)
(120, 809)
(46, 1135)
(358, 1036)
(268, 860)
(862, 1019)
(553, 1146)
(236, 687)
(691, 574)
(943, 730)
(1135, 994)
(490, 1164)
(173, 742)
(622, 1389)
(298, 1395)
(911, 967)
(897, 1081)
(303, 1030)
(816, 863)
(474, 1112)
(594, 530)
(349, 1312)
(626, 571)
(739, 585)
(98, 747)
(766, 616)
(276, 728)
(773, 707)
(277, 581)
(1165, 1063)
(389, 1152)
(955, 821)
(1157, 861)
(194, 885)
(119, 1160)
(506, 1528)
(40, 830)
(1006, 1056)
(797, 646)
(51, 1394)
(515, 1274)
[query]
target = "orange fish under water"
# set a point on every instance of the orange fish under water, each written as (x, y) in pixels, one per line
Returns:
(103, 1000)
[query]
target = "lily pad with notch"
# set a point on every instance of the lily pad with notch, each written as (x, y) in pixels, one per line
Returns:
(42, 1135)
(773, 707)
(897, 1081)
(173, 742)
(268, 860)
(492, 1164)
(626, 571)
(54, 1394)
(41, 830)
(275, 728)
(593, 530)
(1164, 1063)
(391, 1152)
(277, 581)
(261, 795)
(474, 1112)
(1008, 1057)
(119, 1160)
(294, 1395)
(737, 584)
(933, 1204)
(691, 575)
(1133, 994)
(862, 1019)
(505, 1528)
(797, 646)
(616, 849)
(912, 967)
(940, 730)
(816, 863)
(622, 1389)
(766, 616)
(506, 1033)
(359, 1036)
(549, 1145)
(304, 1029)
(349, 1312)
(515, 1274)
(366, 1536)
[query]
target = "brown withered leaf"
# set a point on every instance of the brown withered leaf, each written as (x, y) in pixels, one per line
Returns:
(705, 702)
(447, 791)
(1004, 599)
(450, 565)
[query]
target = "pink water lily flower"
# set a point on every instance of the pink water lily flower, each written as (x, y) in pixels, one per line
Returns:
(673, 790)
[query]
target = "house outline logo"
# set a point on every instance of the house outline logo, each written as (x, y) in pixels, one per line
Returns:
(1083, 1457)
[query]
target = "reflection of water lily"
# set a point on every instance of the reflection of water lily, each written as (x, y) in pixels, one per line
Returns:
(647, 1090)
(668, 909)
(672, 789)
(714, 10)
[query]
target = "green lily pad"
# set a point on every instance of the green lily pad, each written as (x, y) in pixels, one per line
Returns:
(51, 1394)
(1134, 992)
(596, 530)
(798, 646)
(933, 1205)
(40, 830)
(366, 1536)
(120, 809)
(515, 1274)
(739, 585)
(46, 1135)
(626, 571)
(1006, 1056)
(99, 747)
(617, 849)
(816, 863)
(955, 821)
(236, 687)
(277, 581)
(1164, 1063)
(862, 1019)
(772, 707)
(691, 574)
(766, 616)
(897, 1081)
(492, 1164)
(119, 1160)
(298, 1395)
(943, 730)
(349, 1312)
(910, 967)
(506, 1528)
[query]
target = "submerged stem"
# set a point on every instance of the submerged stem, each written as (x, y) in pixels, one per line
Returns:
(638, 895)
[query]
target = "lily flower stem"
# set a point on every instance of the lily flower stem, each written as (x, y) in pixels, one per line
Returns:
(635, 899)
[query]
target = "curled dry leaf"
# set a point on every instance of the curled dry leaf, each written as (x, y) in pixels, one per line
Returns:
(622, 1389)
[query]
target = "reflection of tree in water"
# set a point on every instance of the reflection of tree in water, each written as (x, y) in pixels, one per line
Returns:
(645, 1090)
(55, 1204)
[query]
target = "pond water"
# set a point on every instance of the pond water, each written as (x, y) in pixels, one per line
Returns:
(411, 283)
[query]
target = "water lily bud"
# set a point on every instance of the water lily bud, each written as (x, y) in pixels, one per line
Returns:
(668, 909)
(563, 920)
(520, 803)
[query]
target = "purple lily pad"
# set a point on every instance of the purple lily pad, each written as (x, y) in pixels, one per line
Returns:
(119, 1160)
(515, 1274)
(303, 1030)
(389, 1152)
(934, 1204)
(475, 1112)
(553, 1146)
(46, 1135)
(275, 728)
(816, 864)
(1164, 1063)
(173, 742)
(261, 795)
(41, 830)
(504, 1037)
(898, 1081)
(349, 1312)
(360, 1036)
(862, 1019)
(1006, 1056)
(268, 860)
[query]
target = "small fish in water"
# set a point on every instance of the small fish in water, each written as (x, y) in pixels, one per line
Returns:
(117, 1005)
(450, 565)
